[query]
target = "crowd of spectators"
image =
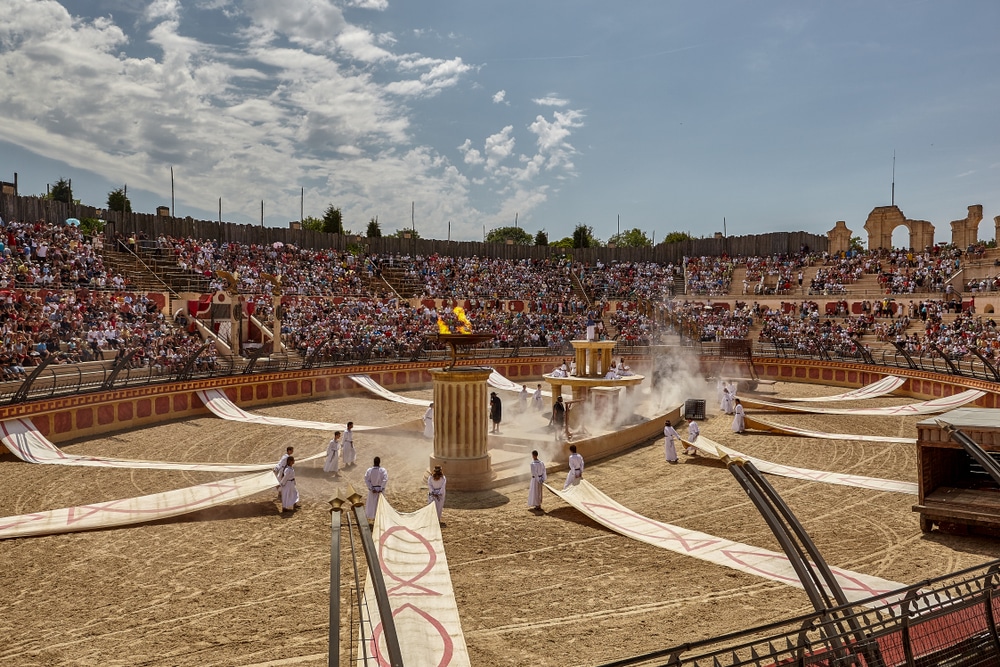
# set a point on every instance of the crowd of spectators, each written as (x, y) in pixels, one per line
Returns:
(42, 255)
(630, 280)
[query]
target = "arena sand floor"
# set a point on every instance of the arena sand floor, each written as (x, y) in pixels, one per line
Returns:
(244, 585)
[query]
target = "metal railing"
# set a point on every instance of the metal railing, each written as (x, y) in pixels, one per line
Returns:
(949, 620)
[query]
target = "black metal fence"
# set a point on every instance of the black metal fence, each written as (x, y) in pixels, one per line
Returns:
(950, 620)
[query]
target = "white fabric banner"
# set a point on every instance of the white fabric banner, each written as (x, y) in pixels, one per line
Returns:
(498, 381)
(923, 408)
(714, 450)
(136, 510)
(886, 385)
(411, 554)
(28, 444)
(743, 557)
(380, 391)
(761, 425)
(220, 405)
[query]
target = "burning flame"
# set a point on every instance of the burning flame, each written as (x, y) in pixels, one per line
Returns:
(466, 327)
(442, 327)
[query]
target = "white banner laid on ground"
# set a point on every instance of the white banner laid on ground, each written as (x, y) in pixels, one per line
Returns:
(380, 391)
(886, 385)
(743, 557)
(923, 408)
(28, 444)
(136, 510)
(221, 406)
(714, 450)
(761, 425)
(411, 553)
(498, 381)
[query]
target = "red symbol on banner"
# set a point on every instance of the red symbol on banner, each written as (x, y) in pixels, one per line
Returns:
(402, 532)
(661, 531)
(447, 645)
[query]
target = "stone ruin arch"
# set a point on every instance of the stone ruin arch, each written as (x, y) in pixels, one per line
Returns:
(966, 232)
(839, 238)
(883, 220)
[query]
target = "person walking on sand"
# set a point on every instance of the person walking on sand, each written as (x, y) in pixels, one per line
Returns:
(429, 422)
(739, 420)
(436, 484)
(376, 479)
(332, 461)
(350, 453)
(289, 494)
(693, 433)
(536, 399)
(279, 467)
(538, 477)
(522, 399)
(496, 412)
(575, 473)
(670, 439)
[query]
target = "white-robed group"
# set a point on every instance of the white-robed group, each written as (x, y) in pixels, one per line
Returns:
(739, 420)
(332, 461)
(575, 473)
(289, 492)
(670, 439)
(350, 453)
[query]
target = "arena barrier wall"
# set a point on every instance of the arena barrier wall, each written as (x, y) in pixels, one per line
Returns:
(951, 620)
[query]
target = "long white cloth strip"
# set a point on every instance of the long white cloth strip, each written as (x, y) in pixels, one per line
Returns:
(498, 381)
(923, 408)
(28, 444)
(380, 391)
(743, 557)
(220, 405)
(761, 425)
(415, 568)
(714, 450)
(136, 510)
(886, 385)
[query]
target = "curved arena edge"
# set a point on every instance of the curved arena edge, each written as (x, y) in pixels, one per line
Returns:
(70, 418)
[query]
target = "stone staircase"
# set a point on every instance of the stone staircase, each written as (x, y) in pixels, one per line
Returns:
(405, 285)
(151, 272)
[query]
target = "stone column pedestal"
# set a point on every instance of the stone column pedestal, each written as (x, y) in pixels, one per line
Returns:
(461, 418)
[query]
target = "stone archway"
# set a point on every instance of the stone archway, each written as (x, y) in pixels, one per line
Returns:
(839, 237)
(988, 309)
(966, 232)
(884, 219)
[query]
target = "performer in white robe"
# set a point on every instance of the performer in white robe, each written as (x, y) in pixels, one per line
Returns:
(376, 479)
(279, 467)
(575, 473)
(522, 398)
(727, 401)
(693, 433)
(332, 461)
(670, 438)
(538, 477)
(429, 422)
(536, 399)
(289, 494)
(436, 490)
(350, 454)
(739, 421)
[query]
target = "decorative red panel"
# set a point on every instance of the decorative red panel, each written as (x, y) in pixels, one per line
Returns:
(143, 407)
(261, 391)
(180, 402)
(292, 388)
(124, 411)
(105, 414)
(246, 393)
(162, 405)
(277, 390)
(63, 421)
(84, 418)
(320, 385)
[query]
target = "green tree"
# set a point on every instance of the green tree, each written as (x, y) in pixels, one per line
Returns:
(565, 242)
(401, 233)
(117, 201)
(333, 220)
(583, 237)
(633, 238)
(374, 229)
(541, 238)
(91, 226)
(677, 237)
(502, 234)
(857, 244)
(62, 191)
(312, 224)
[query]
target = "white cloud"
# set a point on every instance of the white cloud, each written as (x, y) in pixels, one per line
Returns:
(377, 5)
(281, 101)
(550, 101)
(499, 97)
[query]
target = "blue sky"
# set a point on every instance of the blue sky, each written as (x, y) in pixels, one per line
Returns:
(778, 116)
